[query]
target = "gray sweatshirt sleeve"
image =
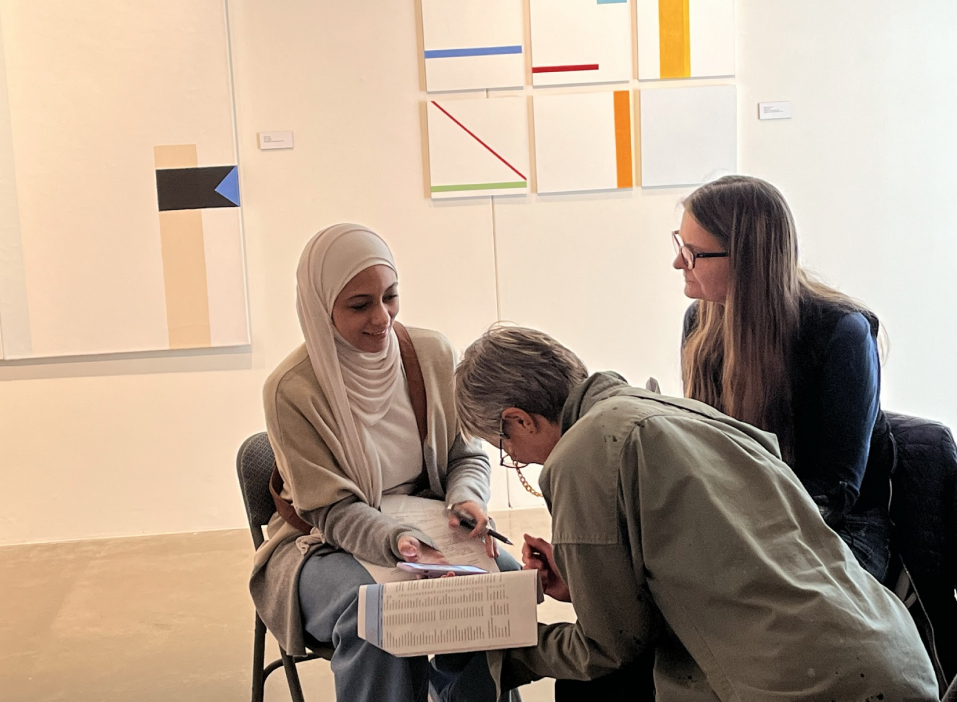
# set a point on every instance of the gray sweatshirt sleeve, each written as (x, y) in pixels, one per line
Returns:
(468, 474)
(363, 531)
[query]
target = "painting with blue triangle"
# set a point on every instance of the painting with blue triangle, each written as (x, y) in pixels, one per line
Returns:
(197, 188)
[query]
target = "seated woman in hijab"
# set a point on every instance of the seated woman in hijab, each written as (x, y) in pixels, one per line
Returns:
(341, 422)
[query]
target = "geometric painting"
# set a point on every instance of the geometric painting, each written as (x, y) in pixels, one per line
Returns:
(120, 225)
(688, 135)
(583, 141)
(478, 148)
(685, 38)
(473, 44)
(580, 41)
(183, 192)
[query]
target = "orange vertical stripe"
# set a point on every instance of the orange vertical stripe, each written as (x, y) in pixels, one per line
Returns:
(623, 138)
(674, 38)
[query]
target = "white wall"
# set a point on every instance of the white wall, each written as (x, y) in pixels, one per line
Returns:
(146, 444)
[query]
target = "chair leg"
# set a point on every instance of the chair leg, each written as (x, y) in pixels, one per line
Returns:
(259, 659)
(292, 676)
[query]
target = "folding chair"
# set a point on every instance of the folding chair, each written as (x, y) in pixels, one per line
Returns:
(254, 465)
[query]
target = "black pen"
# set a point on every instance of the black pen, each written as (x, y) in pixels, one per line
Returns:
(469, 523)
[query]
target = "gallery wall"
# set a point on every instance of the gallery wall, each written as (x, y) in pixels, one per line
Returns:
(145, 442)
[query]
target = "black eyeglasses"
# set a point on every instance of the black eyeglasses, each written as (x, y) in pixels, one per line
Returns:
(504, 459)
(688, 255)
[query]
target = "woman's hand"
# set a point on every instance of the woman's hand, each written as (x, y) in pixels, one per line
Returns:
(537, 555)
(414, 551)
(476, 513)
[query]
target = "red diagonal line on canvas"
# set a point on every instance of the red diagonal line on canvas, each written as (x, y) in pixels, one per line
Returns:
(471, 134)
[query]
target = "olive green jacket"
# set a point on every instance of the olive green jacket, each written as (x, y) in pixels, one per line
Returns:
(679, 528)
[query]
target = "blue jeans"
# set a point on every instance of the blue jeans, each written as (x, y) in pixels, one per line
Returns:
(328, 598)
(868, 534)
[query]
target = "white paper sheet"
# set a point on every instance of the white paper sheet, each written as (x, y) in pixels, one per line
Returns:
(431, 517)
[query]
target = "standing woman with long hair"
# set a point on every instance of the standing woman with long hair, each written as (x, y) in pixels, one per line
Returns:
(342, 420)
(767, 344)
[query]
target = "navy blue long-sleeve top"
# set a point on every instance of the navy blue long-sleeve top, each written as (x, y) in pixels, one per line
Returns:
(842, 447)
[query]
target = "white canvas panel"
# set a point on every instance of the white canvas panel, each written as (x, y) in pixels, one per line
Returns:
(575, 142)
(712, 37)
(480, 143)
(569, 37)
(85, 171)
(15, 339)
(688, 135)
(228, 321)
(473, 44)
(649, 46)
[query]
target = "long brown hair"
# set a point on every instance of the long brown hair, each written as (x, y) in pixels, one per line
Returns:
(738, 356)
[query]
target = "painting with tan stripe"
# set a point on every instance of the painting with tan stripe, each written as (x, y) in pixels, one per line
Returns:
(121, 221)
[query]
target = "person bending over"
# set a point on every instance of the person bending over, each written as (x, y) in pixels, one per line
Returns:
(678, 529)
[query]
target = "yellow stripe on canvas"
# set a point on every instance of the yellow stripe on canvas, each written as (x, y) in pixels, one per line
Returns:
(674, 38)
(623, 138)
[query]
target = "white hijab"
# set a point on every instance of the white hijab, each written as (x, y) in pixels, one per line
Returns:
(360, 386)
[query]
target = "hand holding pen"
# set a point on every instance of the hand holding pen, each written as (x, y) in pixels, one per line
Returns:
(537, 554)
(472, 516)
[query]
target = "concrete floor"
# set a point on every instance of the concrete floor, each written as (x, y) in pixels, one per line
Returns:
(156, 619)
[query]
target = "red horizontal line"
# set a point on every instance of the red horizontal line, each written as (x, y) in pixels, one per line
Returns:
(562, 69)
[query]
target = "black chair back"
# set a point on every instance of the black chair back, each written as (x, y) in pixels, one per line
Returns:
(254, 464)
(924, 512)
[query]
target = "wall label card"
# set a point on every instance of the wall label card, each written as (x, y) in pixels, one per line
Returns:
(275, 140)
(774, 110)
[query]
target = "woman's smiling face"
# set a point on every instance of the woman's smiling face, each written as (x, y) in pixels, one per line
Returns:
(366, 307)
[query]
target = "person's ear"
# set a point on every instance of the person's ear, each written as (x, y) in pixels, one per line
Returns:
(518, 420)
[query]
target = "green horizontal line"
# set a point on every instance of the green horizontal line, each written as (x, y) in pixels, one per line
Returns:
(479, 186)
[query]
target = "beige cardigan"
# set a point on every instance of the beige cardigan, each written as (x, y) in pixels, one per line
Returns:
(303, 436)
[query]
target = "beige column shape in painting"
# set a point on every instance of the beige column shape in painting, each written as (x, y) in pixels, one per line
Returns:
(184, 261)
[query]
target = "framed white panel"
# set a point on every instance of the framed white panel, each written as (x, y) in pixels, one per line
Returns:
(473, 44)
(688, 135)
(712, 38)
(478, 148)
(96, 270)
(580, 41)
(707, 37)
(577, 146)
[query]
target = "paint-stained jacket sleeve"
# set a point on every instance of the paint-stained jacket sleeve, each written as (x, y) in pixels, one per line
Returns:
(595, 537)
(617, 621)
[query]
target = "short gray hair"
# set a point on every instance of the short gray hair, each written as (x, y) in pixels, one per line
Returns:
(513, 367)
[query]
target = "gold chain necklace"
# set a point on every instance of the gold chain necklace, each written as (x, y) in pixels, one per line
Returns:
(526, 484)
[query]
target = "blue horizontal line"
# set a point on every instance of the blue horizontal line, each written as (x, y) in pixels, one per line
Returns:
(475, 51)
